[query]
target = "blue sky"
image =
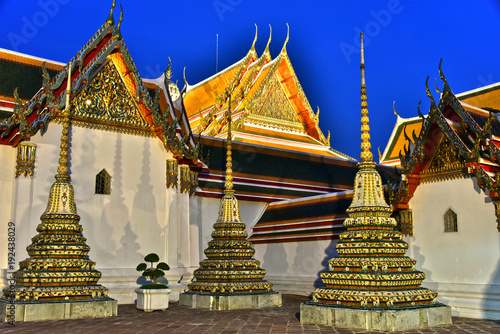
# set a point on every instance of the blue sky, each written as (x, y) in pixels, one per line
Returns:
(404, 41)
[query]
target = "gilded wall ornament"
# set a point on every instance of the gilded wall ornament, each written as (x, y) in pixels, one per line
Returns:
(172, 172)
(106, 99)
(193, 179)
(185, 179)
(25, 162)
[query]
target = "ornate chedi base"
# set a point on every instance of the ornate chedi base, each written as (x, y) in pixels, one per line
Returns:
(42, 311)
(57, 281)
(230, 302)
(372, 284)
(372, 319)
(229, 278)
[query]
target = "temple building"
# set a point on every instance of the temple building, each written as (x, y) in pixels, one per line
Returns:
(148, 175)
(446, 198)
(148, 165)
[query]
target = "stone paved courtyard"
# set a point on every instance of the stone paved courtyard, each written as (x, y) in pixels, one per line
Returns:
(183, 320)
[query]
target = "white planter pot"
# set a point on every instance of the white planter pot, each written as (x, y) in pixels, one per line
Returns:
(152, 299)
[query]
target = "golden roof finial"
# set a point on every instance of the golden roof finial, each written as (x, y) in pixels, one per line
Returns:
(168, 71)
(110, 21)
(184, 75)
(252, 49)
(283, 51)
(266, 51)
(366, 154)
(229, 160)
(121, 17)
(62, 170)
(394, 108)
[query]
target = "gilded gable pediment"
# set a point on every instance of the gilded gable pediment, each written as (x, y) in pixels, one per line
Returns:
(106, 101)
(273, 103)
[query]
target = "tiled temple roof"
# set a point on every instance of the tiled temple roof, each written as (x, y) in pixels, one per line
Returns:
(271, 174)
(313, 218)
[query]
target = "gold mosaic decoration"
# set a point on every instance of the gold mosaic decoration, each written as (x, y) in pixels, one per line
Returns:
(193, 183)
(172, 172)
(405, 222)
(371, 270)
(185, 179)
(107, 100)
(25, 162)
(273, 103)
(58, 267)
(446, 165)
(229, 267)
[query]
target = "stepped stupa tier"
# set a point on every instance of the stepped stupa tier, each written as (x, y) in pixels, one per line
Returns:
(229, 278)
(372, 280)
(229, 267)
(372, 269)
(58, 267)
(58, 270)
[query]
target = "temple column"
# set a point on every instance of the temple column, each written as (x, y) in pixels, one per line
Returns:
(183, 217)
(25, 226)
(172, 227)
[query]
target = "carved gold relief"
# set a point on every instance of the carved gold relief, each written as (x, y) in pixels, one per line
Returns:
(106, 99)
(172, 173)
(25, 162)
(405, 222)
(446, 165)
(273, 103)
(185, 180)
(193, 179)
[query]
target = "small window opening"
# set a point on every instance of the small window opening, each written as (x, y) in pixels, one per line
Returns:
(450, 221)
(103, 183)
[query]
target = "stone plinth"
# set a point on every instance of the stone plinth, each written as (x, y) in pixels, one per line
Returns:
(379, 320)
(230, 302)
(57, 310)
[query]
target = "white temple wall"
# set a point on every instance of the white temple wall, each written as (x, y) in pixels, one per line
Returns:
(463, 267)
(121, 228)
(8, 159)
(294, 267)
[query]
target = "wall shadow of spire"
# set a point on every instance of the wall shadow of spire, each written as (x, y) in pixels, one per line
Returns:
(330, 252)
(277, 256)
(115, 214)
(144, 221)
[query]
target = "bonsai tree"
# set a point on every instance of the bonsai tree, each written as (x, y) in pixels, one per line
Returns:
(153, 273)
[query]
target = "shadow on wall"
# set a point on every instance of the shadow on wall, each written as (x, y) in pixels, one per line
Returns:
(491, 302)
(144, 220)
(275, 260)
(330, 253)
(115, 214)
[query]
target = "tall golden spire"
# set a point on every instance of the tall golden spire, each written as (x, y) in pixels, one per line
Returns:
(366, 154)
(371, 270)
(62, 170)
(229, 160)
(59, 268)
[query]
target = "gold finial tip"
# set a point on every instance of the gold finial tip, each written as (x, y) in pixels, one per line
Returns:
(269, 41)
(254, 39)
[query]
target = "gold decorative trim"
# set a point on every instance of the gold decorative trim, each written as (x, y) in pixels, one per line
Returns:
(405, 222)
(25, 162)
(185, 179)
(193, 179)
(273, 123)
(109, 127)
(172, 172)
